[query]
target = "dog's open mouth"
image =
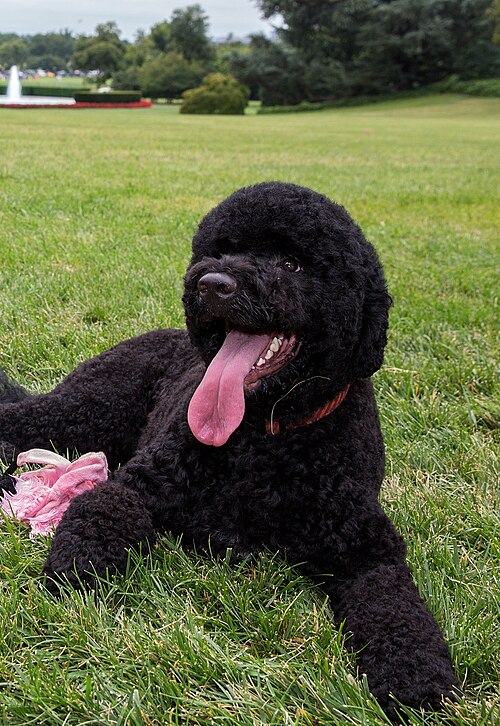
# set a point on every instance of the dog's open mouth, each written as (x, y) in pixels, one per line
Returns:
(279, 350)
(218, 404)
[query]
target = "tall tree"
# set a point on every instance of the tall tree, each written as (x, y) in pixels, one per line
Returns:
(161, 36)
(172, 57)
(189, 33)
(319, 27)
(13, 52)
(102, 52)
(168, 75)
(406, 43)
(128, 76)
(59, 45)
(282, 75)
(474, 53)
(494, 13)
(385, 45)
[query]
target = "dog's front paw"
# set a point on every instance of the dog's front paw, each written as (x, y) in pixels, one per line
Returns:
(419, 690)
(78, 562)
(94, 537)
(56, 580)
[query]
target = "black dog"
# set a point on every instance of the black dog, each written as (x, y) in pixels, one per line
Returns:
(275, 445)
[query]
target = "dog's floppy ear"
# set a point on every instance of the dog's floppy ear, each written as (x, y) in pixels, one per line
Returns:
(369, 352)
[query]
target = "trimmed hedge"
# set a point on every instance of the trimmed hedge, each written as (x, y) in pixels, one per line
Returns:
(38, 90)
(349, 101)
(110, 97)
(488, 87)
(302, 106)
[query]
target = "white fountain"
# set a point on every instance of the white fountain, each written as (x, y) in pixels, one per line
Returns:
(14, 86)
(14, 95)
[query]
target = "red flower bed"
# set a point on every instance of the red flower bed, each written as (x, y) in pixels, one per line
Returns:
(138, 104)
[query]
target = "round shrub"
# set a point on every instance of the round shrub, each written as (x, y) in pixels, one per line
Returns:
(217, 94)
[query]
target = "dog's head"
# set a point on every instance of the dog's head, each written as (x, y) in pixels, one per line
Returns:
(282, 287)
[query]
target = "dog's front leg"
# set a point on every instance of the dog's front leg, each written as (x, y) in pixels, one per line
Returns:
(74, 420)
(95, 534)
(399, 645)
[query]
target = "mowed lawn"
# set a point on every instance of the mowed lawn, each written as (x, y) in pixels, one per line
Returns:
(97, 209)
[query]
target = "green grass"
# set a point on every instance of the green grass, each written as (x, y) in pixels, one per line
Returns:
(97, 209)
(70, 82)
(56, 82)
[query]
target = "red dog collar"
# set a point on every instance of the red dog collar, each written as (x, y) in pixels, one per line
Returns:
(274, 427)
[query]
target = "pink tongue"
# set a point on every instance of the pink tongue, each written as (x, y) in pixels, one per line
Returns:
(218, 404)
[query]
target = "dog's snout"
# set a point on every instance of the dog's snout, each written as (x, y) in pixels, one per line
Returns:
(217, 286)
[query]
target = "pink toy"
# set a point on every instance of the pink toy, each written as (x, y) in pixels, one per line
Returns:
(43, 495)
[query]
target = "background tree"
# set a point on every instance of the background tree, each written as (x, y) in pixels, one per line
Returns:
(168, 75)
(160, 36)
(319, 28)
(474, 53)
(103, 52)
(128, 77)
(174, 56)
(189, 34)
(8, 36)
(283, 76)
(139, 51)
(13, 52)
(50, 51)
(371, 46)
(225, 49)
(494, 13)
(405, 44)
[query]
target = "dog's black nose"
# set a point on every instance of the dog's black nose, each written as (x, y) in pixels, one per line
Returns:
(217, 286)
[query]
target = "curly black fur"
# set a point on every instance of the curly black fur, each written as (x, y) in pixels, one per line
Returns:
(310, 492)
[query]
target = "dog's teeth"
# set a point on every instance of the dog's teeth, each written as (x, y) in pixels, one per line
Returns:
(269, 354)
(275, 345)
(260, 362)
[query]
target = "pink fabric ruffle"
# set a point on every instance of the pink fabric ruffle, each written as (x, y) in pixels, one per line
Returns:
(43, 495)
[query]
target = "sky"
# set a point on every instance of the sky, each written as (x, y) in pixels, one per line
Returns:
(26, 17)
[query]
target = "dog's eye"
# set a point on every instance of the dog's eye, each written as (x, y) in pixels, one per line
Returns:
(290, 264)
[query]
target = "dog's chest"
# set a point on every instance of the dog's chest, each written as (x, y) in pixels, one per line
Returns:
(248, 496)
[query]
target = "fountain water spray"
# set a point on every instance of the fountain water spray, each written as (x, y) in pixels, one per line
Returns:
(14, 86)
